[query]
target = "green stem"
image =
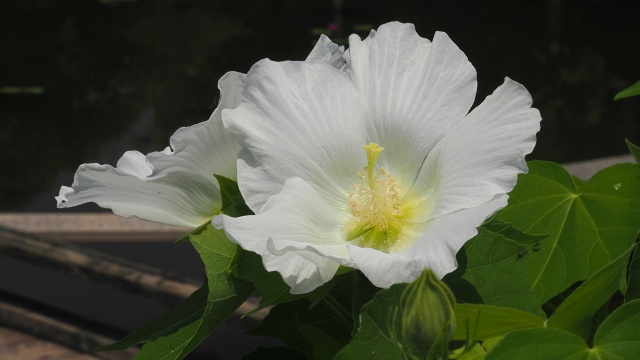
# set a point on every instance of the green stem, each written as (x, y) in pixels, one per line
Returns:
(334, 306)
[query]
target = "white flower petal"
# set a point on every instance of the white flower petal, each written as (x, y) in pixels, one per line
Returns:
(297, 216)
(300, 270)
(481, 156)
(176, 186)
(413, 91)
(299, 120)
(179, 200)
(206, 147)
(337, 252)
(435, 249)
(326, 52)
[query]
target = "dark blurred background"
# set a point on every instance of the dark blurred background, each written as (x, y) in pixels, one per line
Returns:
(85, 80)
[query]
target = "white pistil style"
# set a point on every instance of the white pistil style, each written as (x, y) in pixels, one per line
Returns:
(380, 217)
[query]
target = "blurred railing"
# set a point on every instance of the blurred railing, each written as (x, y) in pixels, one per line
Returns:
(54, 241)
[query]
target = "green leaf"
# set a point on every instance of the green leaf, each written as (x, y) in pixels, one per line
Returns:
(633, 284)
(490, 343)
(483, 321)
(273, 290)
(217, 254)
(634, 150)
(536, 344)
(319, 332)
(364, 292)
(189, 311)
(477, 352)
(514, 234)
(632, 90)
(225, 294)
(492, 268)
(197, 230)
(617, 338)
(279, 353)
(374, 340)
(233, 203)
(576, 312)
(589, 224)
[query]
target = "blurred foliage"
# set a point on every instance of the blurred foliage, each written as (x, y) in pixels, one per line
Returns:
(101, 66)
(633, 90)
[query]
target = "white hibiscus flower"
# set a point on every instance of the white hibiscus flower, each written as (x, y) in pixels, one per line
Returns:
(376, 162)
(176, 186)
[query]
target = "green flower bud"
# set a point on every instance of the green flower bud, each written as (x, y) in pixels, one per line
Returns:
(427, 318)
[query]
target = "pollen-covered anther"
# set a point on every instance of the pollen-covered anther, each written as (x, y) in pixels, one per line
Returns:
(375, 201)
(378, 207)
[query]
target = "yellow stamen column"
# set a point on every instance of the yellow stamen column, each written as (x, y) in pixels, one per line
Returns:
(375, 204)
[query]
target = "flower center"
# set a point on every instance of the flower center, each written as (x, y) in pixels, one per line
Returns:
(378, 212)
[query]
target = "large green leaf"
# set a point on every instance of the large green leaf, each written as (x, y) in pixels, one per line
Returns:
(632, 90)
(374, 339)
(320, 331)
(512, 233)
(575, 313)
(189, 311)
(589, 224)
(224, 294)
(537, 344)
(618, 334)
(482, 322)
(633, 285)
(491, 268)
(617, 338)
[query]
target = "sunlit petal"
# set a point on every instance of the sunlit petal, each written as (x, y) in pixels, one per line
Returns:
(326, 52)
(299, 120)
(414, 91)
(296, 217)
(483, 155)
